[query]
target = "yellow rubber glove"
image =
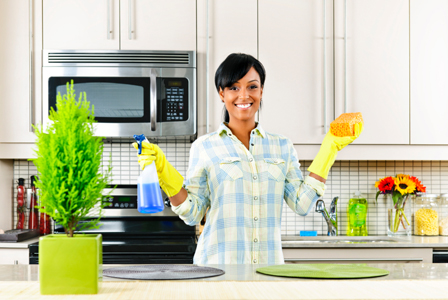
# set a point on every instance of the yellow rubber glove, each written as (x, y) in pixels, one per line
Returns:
(170, 179)
(329, 149)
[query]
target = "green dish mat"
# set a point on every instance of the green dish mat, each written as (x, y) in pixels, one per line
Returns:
(323, 271)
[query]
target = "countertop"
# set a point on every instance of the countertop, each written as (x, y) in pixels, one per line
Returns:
(406, 281)
(329, 242)
(365, 242)
(19, 245)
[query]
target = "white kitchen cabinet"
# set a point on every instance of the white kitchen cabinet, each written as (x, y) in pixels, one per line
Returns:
(377, 67)
(291, 35)
(19, 74)
(81, 24)
(11, 256)
(429, 72)
(230, 30)
(158, 25)
(125, 24)
(358, 255)
(291, 45)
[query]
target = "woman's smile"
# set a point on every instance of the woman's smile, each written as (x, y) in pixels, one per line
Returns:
(244, 106)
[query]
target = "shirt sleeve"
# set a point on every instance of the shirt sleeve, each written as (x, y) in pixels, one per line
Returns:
(193, 209)
(300, 194)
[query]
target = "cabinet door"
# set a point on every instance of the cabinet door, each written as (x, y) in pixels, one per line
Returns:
(291, 47)
(16, 107)
(429, 72)
(81, 24)
(377, 67)
(158, 25)
(231, 31)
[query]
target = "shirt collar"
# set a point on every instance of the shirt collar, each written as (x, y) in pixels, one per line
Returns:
(223, 128)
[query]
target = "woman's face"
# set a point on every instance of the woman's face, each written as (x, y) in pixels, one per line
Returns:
(242, 99)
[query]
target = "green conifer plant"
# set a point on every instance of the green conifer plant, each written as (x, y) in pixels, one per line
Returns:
(69, 164)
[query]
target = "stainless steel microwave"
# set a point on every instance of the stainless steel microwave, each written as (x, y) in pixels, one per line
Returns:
(133, 92)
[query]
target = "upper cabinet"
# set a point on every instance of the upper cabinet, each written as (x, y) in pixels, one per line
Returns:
(324, 61)
(429, 72)
(372, 71)
(298, 92)
(158, 25)
(81, 24)
(19, 74)
(230, 30)
(114, 24)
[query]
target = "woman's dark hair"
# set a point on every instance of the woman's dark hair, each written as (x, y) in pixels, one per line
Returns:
(235, 67)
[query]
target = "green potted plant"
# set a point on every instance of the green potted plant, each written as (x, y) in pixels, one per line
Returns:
(70, 187)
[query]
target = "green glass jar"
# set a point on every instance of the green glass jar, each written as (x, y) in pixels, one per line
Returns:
(357, 215)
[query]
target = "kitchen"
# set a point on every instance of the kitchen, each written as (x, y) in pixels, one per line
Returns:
(394, 55)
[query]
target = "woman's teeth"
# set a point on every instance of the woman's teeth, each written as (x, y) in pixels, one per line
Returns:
(244, 105)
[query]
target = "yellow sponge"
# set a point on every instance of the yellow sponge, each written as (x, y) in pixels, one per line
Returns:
(344, 125)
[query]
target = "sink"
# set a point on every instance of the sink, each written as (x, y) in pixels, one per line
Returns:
(340, 239)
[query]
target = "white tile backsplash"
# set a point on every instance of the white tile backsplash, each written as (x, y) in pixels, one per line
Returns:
(345, 177)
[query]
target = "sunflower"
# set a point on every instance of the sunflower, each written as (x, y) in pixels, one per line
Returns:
(420, 187)
(402, 176)
(404, 184)
(385, 184)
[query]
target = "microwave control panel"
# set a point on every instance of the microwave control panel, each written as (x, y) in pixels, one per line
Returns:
(174, 99)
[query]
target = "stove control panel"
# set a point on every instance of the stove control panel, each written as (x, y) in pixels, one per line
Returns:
(120, 202)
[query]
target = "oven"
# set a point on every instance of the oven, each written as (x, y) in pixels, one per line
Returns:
(130, 237)
(133, 92)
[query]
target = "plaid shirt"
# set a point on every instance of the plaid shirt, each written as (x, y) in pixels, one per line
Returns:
(244, 191)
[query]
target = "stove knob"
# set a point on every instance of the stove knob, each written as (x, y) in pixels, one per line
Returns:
(167, 202)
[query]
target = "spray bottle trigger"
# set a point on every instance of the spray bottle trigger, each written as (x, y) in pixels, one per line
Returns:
(139, 139)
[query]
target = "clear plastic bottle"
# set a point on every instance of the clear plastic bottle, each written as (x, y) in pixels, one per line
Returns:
(357, 215)
(149, 196)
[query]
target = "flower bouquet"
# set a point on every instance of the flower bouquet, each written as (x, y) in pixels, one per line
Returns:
(397, 190)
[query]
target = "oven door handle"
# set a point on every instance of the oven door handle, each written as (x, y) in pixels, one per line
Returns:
(153, 98)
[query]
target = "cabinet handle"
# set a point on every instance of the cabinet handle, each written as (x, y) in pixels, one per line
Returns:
(345, 56)
(130, 20)
(109, 25)
(355, 259)
(207, 74)
(31, 68)
(325, 66)
(440, 253)
(153, 98)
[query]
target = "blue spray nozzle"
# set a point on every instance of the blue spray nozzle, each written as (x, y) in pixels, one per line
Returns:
(139, 138)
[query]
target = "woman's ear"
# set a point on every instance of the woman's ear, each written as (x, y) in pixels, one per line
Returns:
(261, 92)
(221, 94)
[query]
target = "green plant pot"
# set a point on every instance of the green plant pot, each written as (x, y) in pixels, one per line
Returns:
(70, 265)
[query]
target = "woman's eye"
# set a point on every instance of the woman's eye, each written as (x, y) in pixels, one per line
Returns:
(233, 88)
(252, 87)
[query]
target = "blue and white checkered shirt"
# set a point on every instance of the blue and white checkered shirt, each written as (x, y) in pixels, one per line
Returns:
(244, 191)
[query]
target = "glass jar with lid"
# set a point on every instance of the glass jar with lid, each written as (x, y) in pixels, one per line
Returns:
(426, 213)
(443, 214)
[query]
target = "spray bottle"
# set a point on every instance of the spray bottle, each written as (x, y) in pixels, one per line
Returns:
(149, 197)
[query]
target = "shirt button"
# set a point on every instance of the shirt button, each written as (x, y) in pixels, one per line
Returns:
(255, 240)
(230, 134)
(255, 177)
(255, 219)
(255, 261)
(253, 144)
(251, 160)
(255, 198)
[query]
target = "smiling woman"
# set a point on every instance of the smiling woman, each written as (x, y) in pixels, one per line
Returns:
(242, 174)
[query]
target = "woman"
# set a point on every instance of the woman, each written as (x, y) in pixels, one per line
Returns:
(242, 174)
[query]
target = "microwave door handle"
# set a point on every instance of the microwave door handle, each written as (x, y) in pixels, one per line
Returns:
(153, 99)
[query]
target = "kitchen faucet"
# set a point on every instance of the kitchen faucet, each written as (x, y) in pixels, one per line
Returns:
(330, 218)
